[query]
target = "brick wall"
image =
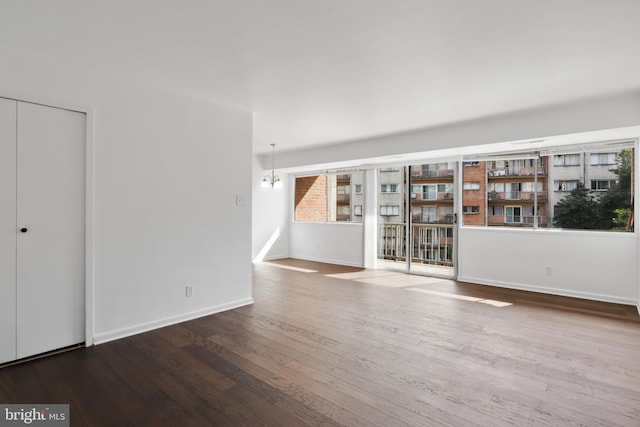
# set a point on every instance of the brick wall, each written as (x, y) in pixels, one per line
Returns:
(311, 198)
(474, 197)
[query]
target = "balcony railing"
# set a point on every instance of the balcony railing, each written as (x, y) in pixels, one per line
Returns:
(431, 243)
(516, 195)
(343, 198)
(517, 171)
(438, 219)
(447, 197)
(429, 173)
(518, 220)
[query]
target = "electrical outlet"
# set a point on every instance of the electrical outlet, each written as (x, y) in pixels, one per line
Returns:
(189, 291)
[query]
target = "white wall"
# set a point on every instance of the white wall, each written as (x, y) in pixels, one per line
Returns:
(334, 243)
(592, 265)
(167, 170)
(270, 217)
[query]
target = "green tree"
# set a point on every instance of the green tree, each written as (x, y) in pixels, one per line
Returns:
(617, 200)
(577, 210)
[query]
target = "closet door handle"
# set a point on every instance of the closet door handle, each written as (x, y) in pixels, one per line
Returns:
(24, 230)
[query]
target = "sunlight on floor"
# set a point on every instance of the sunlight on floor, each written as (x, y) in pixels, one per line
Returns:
(462, 297)
(290, 267)
(364, 274)
(388, 279)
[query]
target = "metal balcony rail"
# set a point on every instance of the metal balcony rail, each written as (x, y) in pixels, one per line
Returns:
(432, 173)
(432, 196)
(517, 220)
(517, 195)
(517, 171)
(430, 243)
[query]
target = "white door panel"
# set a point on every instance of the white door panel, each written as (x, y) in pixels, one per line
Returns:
(7, 230)
(50, 205)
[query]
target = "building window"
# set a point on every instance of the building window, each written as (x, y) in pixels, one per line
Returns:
(357, 210)
(566, 185)
(603, 159)
(389, 169)
(471, 185)
(602, 184)
(429, 214)
(445, 188)
(432, 191)
(357, 188)
(389, 210)
(513, 191)
(507, 181)
(326, 197)
(566, 160)
(469, 164)
(343, 189)
(343, 209)
(429, 192)
(388, 188)
(513, 214)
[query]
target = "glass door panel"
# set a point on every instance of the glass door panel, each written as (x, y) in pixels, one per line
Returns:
(392, 218)
(431, 219)
(416, 219)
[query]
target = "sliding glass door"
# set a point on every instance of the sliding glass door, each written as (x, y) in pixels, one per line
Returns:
(392, 218)
(416, 217)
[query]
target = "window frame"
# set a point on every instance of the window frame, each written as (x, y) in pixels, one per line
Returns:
(389, 185)
(543, 201)
(346, 192)
(386, 208)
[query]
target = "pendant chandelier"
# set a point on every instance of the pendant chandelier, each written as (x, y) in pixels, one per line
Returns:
(272, 180)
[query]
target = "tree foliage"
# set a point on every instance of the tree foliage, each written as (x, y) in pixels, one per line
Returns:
(577, 210)
(582, 210)
(618, 197)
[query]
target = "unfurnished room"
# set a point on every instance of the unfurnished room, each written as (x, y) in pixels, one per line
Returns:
(319, 212)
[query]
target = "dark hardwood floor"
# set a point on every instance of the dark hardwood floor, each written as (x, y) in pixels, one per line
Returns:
(331, 345)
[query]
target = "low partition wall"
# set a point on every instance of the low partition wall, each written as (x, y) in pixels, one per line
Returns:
(593, 265)
(330, 242)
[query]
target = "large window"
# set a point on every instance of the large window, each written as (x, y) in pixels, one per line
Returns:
(541, 190)
(566, 160)
(603, 159)
(513, 214)
(602, 184)
(328, 198)
(565, 184)
(389, 210)
(388, 188)
(471, 185)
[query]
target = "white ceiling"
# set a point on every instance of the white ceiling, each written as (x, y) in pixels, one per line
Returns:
(325, 71)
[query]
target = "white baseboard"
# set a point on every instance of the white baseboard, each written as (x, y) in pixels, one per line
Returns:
(104, 337)
(275, 257)
(552, 291)
(328, 261)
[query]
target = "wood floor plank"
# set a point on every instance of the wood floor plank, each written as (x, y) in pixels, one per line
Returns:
(341, 346)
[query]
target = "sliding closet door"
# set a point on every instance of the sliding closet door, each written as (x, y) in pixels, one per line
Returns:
(50, 223)
(7, 230)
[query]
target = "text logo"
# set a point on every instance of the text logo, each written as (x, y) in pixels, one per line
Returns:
(34, 415)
